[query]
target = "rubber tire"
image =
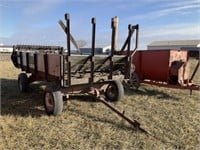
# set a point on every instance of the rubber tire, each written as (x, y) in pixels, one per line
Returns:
(23, 83)
(55, 92)
(118, 91)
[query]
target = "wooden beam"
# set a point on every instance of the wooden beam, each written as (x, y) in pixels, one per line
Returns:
(71, 37)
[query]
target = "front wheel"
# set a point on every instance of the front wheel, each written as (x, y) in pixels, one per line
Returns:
(114, 91)
(53, 101)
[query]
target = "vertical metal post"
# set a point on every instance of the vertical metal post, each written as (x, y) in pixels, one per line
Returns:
(128, 56)
(67, 18)
(136, 27)
(21, 61)
(116, 22)
(35, 63)
(137, 34)
(14, 56)
(62, 75)
(93, 51)
(46, 66)
(61, 50)
(93, 35)
(112, 47)
(27, 62)
(129, 40)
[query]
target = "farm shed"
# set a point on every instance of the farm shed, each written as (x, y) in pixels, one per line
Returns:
(6, 48)
(193, 46)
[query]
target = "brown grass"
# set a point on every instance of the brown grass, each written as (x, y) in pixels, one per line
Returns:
(171, 115)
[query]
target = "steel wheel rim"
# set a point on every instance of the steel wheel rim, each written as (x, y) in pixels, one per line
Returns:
(111, 91)
(49, 102)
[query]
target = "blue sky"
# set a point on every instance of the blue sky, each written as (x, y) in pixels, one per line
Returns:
(35, 21)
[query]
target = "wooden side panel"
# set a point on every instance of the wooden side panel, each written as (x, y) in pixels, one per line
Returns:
(24, 59)
(53, 61)
(40, 62)
(18, 58)
(31, 60)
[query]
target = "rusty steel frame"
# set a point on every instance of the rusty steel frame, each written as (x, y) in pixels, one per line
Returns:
(66, 86)
(114, 26)
(189, 86)
(195, 70)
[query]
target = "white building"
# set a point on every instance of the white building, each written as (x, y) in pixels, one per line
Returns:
(6, 49)
(98, 50)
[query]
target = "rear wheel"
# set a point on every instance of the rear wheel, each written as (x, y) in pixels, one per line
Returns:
(23, 83)
(114, 91)
(53, 101)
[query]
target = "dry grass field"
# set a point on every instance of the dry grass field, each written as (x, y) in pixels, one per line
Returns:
(171, 115)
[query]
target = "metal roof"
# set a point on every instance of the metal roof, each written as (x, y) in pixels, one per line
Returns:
(194, 43)
(6, 46)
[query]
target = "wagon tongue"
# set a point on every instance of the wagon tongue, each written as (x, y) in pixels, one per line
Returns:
(133, 122)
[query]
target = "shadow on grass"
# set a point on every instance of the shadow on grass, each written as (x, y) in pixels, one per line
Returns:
(119, 123)
(84, 98)
(20, 104)
(31, 104)
(151, 92)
